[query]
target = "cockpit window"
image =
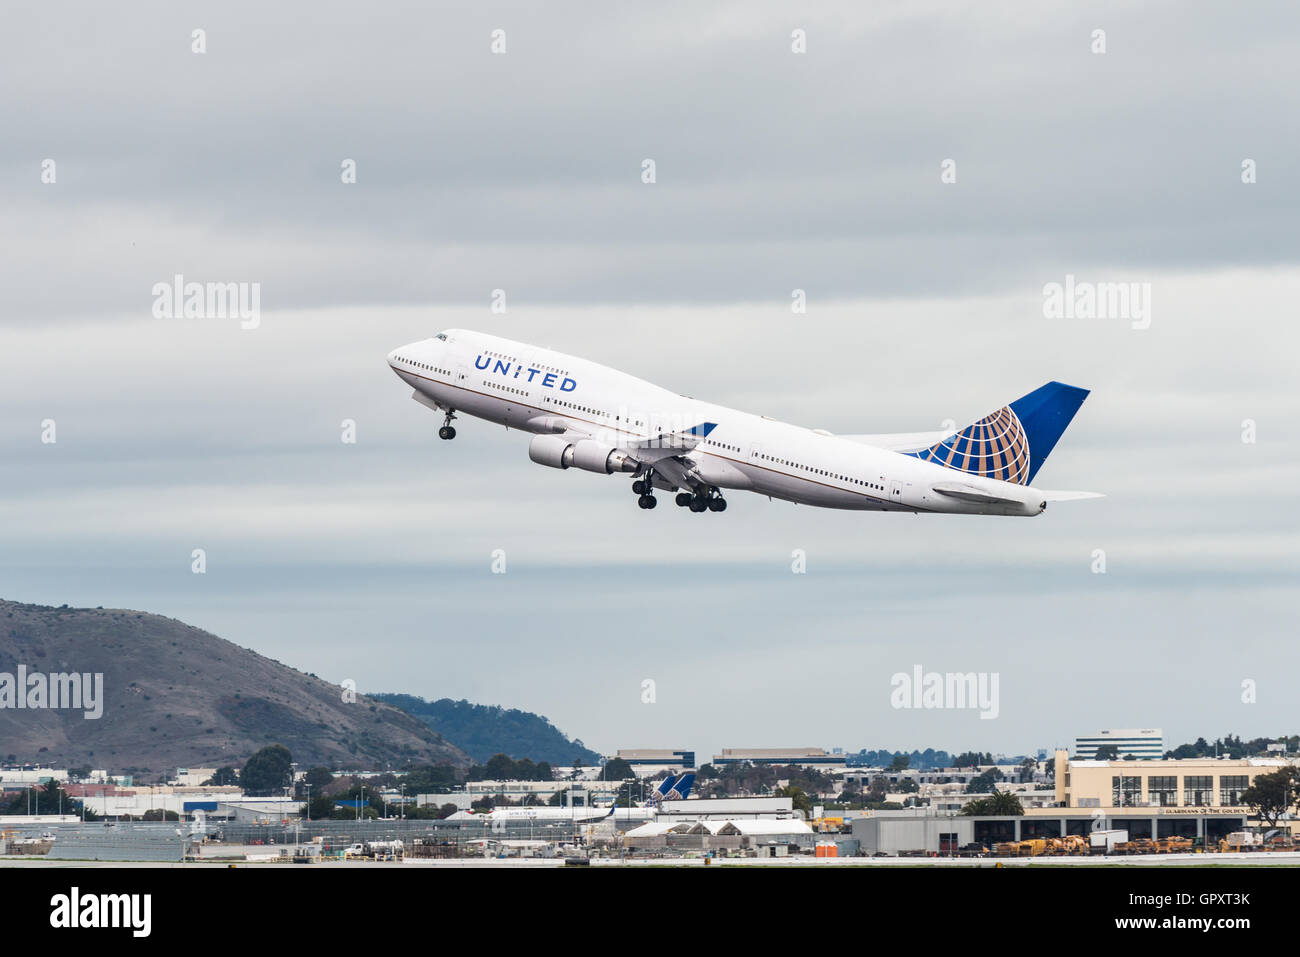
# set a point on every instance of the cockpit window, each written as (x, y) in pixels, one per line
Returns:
(442, 336)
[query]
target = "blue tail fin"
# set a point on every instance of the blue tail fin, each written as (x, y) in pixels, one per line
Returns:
(1012, 443)
(675, 787)
(682, 789)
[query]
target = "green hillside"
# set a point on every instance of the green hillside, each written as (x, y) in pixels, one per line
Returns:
(484, 730)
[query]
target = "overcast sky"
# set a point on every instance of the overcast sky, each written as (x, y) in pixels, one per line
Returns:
(774, 171)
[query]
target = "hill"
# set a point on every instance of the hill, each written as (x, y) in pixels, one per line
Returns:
(485, 730)
(177, 696)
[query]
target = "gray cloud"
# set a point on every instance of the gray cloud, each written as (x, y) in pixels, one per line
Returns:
(775, 172)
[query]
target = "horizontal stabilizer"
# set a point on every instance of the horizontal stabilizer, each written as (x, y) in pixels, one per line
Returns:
(1070, 496)
(900, 441)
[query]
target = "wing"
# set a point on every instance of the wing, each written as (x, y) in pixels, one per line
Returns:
(667, 445)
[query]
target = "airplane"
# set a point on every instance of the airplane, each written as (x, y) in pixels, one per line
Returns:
(675, 787)
(589, 417)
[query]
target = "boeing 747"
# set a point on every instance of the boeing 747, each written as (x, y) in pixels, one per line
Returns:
(592, 418)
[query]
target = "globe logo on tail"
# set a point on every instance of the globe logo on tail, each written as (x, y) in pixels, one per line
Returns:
(995, 447)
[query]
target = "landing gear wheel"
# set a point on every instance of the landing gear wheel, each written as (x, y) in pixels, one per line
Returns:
(647, 501)
(684, 498)
(447, 432)
(717, 504)
(698, 504)
(640, 488)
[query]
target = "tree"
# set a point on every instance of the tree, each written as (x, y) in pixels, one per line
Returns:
(1107, 752)
(984, 783)
(799, 799)
(997, 804)
(877, 789)
(972, 759)
(317, 777)
(617, 769)
(322, 805)
(500, 768)
(900, 762)
(425, 778)
(268, 770)
(53, 797)
(223, 777)
(1270, 795)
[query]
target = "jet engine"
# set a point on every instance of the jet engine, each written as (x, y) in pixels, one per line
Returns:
(562, 452)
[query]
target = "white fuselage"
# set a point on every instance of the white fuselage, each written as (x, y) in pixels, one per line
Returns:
(540, 391)
(575, 815)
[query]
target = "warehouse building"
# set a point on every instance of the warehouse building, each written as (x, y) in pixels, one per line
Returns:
(923, 831)
(648, 762)
(757, 834)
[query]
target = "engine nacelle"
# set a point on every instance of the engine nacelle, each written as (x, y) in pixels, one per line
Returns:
(596, 457)
(560, 452)
(554, 451)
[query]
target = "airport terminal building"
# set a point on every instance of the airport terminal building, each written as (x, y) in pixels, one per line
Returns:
(1186, 783)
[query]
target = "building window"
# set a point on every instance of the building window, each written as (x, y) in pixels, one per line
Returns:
(1125, 791)
(1197, 790)
(1230, 788)
(1163, 790)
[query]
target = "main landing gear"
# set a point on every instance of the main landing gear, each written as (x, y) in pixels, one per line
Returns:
(447, 432)
(710, 500)
(645, 491)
